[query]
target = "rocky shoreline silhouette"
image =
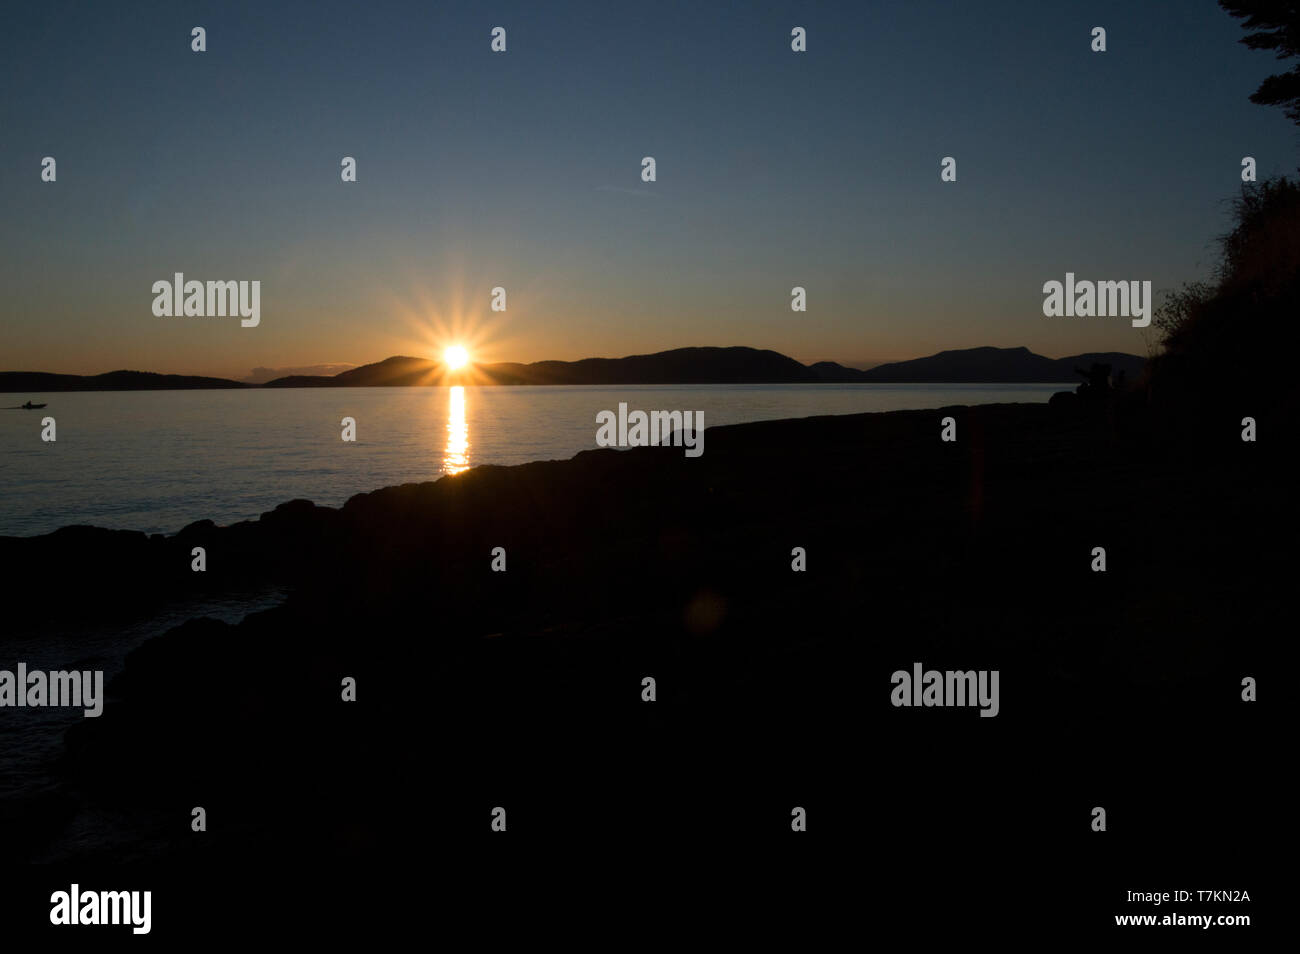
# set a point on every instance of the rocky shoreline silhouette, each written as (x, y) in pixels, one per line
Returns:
(523, 688)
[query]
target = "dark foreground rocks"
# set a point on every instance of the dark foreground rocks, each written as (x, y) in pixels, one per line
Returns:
(522, 688)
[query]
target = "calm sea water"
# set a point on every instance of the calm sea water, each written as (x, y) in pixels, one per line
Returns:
(31, 738)
(156, 461)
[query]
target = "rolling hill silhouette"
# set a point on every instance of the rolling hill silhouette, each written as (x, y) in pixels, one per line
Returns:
(736, 365)
(997, 365)
(43, 381)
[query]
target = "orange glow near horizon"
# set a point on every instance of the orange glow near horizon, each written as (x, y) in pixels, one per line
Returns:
(455, 315)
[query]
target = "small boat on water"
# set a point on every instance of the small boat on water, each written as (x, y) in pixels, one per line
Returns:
(29, 406)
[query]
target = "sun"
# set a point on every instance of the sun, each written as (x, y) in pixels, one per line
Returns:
(455, 357)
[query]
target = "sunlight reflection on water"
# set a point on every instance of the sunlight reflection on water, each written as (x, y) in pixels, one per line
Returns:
(456, 458)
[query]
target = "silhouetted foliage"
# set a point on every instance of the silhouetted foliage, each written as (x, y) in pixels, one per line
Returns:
(1229, 344)
(1179, 307)
(1261, 252)
(1264, 244)
(1276, 26)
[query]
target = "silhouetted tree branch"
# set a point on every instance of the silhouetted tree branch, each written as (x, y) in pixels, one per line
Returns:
(1276, 26)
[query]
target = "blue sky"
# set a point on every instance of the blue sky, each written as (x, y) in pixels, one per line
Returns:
(522, 169)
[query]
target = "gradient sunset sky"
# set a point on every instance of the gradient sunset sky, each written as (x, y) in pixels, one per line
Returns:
(522, 169)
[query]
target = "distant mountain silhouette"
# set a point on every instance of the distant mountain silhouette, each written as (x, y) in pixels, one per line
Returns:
(735, 366)
(997, 365)
(42, 381)
(397, 371)
(680, 366)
